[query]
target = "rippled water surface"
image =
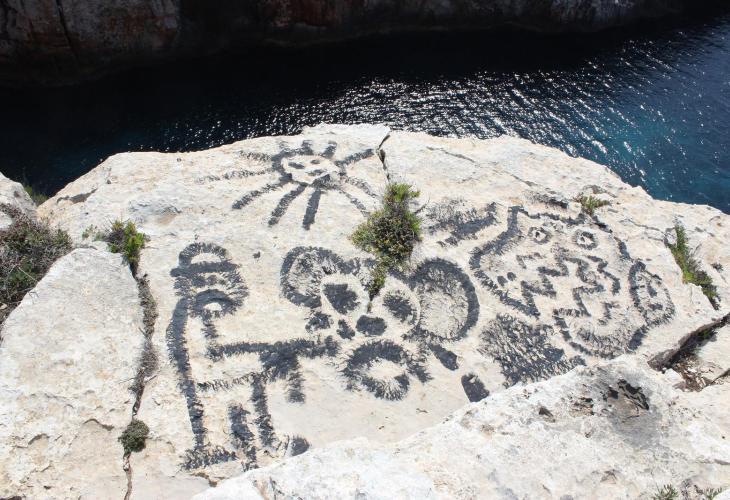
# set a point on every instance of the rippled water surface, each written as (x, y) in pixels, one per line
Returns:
(652, 103)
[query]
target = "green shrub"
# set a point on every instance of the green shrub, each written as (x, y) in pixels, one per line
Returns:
(590, 203)
(123, 238)
(28, 248)
(134, 436)
(691, 272)
(390, 233)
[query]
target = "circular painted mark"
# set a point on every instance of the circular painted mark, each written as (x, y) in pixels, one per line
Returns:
(383, 368)
(585, 240)
(370, 325)
(342, 298)
(539, 235)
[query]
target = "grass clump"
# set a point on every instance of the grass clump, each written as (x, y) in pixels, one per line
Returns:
(691, 272)
(666, 492)
(37, 197)
(710, 493)
(28, 248)
(148, 362)
(123, 238)
(134, 437)
(591, 203)
(669, 492)
(390, 234)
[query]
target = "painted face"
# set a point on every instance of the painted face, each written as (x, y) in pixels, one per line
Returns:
(308, 172)
(209, 281)
(574, 275)
(311, 170)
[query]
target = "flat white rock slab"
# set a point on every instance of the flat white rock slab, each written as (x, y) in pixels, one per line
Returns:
(267, 345)
(67, 359)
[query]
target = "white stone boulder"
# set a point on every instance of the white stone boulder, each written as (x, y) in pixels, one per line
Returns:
(68, 357)
(13, 194)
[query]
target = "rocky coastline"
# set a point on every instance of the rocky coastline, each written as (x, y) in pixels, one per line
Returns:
(53, 42)
(545, 340)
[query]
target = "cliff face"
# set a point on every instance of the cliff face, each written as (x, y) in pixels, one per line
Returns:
(56, 41)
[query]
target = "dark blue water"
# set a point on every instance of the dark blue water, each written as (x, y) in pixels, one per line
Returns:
(652, 103)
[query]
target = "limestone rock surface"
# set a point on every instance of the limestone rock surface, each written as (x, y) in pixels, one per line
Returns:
(616, 430)
(56, 41)
(67, 359)
(714, 356)
(268, 342)
(13, 194)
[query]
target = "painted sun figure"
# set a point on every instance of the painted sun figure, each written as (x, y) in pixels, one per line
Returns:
(304, 172)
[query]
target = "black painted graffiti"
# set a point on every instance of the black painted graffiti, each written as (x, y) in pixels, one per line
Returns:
(523, 352)
(543, 268)
(210, 287)
(410, 309)
(358, 369)
(280, 360)
(562, 279)
(459, 221)
(303, 170)
(651, 298)
(474, 387)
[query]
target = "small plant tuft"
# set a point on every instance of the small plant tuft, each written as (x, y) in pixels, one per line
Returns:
(666, 492)
(28, 248)
(134, 437)
(92, 232)
(710, 493)
(123, 238)
(390, 234)
(690, 266)
(37, 197)
(591, 203)
(148, 362)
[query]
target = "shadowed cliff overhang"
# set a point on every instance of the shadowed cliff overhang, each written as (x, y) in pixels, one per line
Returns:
(64, 41)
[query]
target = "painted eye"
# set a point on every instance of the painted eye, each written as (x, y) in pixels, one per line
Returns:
(539, 235)
(370, 326)
(342, 297)
(213, 303)
(584, 239)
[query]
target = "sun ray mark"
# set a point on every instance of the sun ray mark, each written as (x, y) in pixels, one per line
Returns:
(361, 184)
(284, 203)
(360, 155)
(312, 207)
(236, 174)
(357, 203)
(306, 148)
(329, 152)
(249, 197)
(255, 156)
